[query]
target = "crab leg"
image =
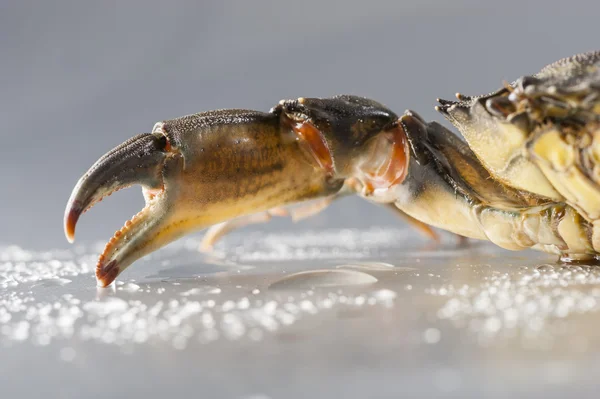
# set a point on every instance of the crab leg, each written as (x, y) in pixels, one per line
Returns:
(448, 188)
(138, 160)
(423, 228)
(197, 171)
(218, 231)
(295, 212)
(231, 168)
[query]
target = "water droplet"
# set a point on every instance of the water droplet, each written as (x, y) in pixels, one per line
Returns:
(368, 266)
(323, 278)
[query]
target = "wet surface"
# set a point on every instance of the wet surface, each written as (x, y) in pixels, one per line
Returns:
(335, 313)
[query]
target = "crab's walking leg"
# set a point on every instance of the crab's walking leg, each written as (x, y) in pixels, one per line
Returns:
(459, 195)
(311, 209)
(461, 241)
(421, 227)
(553, 228)
(570, 161)
(295, 212)
(218, 231)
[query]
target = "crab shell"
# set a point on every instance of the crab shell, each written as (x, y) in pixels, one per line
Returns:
(541, 134)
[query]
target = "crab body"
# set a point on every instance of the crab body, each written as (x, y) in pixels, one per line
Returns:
(527, 174)
(541, 135)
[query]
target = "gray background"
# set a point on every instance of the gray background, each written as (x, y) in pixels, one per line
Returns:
(78, 77)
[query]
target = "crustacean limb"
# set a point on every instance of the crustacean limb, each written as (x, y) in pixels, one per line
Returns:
(197, 171)
(204, 169)
(528, 175)
(306, 210)
(448, 188)
(303, 211)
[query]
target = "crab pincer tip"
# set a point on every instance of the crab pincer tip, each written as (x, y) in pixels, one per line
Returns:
(106, 273)
(72, 214)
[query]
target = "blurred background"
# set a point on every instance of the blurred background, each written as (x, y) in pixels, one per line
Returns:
(352, 313)
(79, 77)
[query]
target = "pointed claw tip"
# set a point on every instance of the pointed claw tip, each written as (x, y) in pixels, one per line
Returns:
(72, 214)
(106, 274)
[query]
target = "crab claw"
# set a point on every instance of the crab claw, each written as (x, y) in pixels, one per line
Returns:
(140, 160)
(197, 171)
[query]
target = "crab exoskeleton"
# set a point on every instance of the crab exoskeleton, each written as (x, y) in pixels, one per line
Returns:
(528, 175)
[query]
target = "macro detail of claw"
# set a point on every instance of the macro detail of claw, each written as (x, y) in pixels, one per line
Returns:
(197, 171)
(204, 169)
(140, 160)
(137, 161)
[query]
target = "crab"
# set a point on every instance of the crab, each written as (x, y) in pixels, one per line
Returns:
(526, 175)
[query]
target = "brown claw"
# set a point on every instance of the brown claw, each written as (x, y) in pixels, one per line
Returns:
(137, 161)
(106, 274)
(197, 171)
(71, 217)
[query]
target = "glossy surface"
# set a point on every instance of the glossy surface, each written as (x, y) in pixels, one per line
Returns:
(333, 313)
